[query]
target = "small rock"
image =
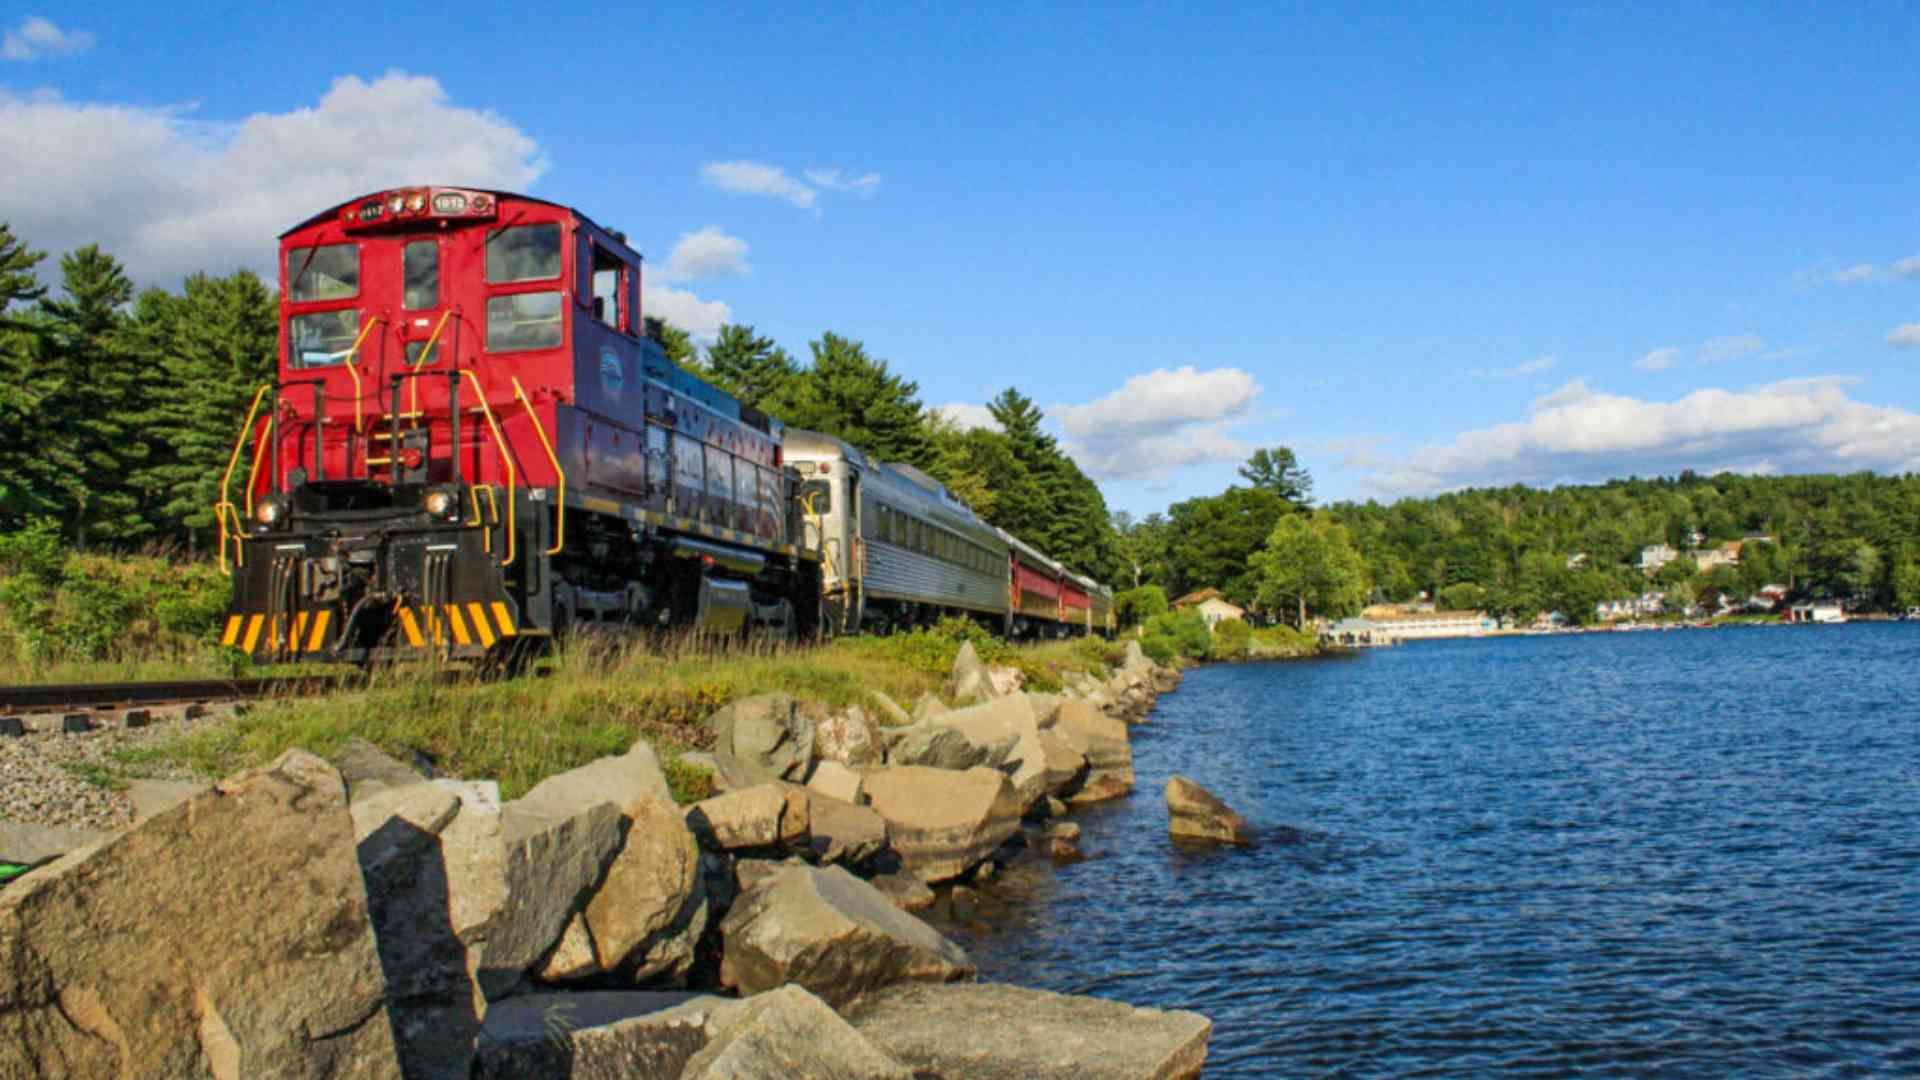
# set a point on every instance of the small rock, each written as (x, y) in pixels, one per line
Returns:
(904, 891)
(970, 681)
(928, 743)
(844, 833)
(621, 780)
(729, 772)
(847, 738)
(1056, 808)
(1193, 813)
(600, 1035)
(836, 781)
(832, 933)
(766, 731)
(753, 818)
(194, 711)
(790, 1034)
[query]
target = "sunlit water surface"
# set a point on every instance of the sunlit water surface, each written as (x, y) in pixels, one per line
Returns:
(1663, 854)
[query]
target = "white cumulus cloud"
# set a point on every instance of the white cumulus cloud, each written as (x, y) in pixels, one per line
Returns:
(701, 318)
(1905, 336)
(709, 252)
(967, 417)
(169, 196)
(1578, 434)
(1660, 359)
(758, 178)
(1164, 419)
(36, 37)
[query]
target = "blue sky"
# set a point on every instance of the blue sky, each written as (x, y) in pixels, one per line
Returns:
(1453, 246)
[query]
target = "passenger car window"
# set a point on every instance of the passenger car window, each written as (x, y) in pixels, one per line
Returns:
(525, 253)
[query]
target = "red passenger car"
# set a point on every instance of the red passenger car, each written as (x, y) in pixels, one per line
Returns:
(472, 443)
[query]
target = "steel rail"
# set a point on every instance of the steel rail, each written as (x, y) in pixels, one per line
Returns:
(55, 697)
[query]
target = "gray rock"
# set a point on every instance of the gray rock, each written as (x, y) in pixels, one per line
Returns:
(768, 732)
(1006, 721)
(1065, 765)
(1046, 708)
(1108, 746)
(751, 872)
(28, 845)
(845, 833)
(849, 738)
(226, 936)
(1193, 813)
(836, 781)
(790, 1034)
(551, 856)
(621, 780)
(831, 933)
(937, 1032)
(904, 891)
(366, 769)
(729, 772)
(766, 816)
(970, 681)
(943, 823)
(930, 744)
(604, 1035)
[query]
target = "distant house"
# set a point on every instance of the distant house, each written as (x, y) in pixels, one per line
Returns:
(1356, 634)
(1634, 607)
(1576, 560)
(1213, 604)
(1655, 556)
(1817, 611)
(1727, 554)
(1436, 624)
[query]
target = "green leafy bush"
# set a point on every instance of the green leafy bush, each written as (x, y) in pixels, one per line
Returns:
(1230, 640)
(1160, 649)
(1186, 629)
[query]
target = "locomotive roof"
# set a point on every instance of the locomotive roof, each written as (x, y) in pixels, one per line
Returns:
(496, 193)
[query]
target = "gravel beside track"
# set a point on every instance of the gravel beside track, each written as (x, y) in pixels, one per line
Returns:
(38, 781)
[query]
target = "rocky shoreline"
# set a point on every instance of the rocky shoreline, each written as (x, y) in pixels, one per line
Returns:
(358, 918)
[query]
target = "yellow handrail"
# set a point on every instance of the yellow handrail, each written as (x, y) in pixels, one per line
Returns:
(560, 530)
(226, 483)
(427, 354)
(506, 459)
(493, 504)
(354, 375)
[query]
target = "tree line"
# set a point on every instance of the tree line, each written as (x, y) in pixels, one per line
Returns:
(1520, 551)
(118, 410)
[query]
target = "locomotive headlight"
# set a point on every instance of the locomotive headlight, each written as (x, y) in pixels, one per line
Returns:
(416, 203)
(270, 511)
(442, 502)
(396, 204)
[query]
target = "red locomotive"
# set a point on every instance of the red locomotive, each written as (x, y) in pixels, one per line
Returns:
(472, 445)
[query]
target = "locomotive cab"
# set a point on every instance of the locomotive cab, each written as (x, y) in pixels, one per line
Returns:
(471, 443)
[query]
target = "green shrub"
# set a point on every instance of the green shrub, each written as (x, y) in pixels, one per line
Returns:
(1230, 640)
(1135, 606)
(1160, 649)
(1186, 629)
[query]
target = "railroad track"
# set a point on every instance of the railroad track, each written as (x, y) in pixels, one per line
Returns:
(101, 696)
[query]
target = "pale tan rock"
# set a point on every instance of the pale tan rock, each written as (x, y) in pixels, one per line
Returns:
(650, 891)
(830, 932)
(904, 891)
(937, 1032)
(927, 707)
(575, 956)
(943, 823)
(970, 681)
(619, 780)
(1108, 745)
(836, 781)
(848, 738)
(225, 937)
(149, 797)
(1193, 813)
(996, 723)
(598, 1035)
(751, 818)
(29, 844)
(552, 855)
(1065, 765)
(890, 712)
(840, 832)
(790, 1034)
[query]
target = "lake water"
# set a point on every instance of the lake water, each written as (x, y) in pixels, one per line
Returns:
(1663, 854)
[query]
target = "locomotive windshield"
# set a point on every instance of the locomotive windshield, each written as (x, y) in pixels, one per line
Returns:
(323, 273)
(526, 253)
(422, 286)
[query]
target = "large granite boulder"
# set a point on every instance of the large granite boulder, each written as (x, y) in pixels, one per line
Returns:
(849, 738)
(1107, 745)
(931, 744)
(940, 1032)
(225, 937)
(650, 909)
(841, 832)
(31, 844)
(770, 733)
(1193, 813)
(550, 855)
(598, 1035)
(367, 769)
(1066, 762)
(943, 823)
(621, 780)
(993, 724)
(835, 781)
(832, 933)
(790, 1034)
(760, 817)
(970, 680)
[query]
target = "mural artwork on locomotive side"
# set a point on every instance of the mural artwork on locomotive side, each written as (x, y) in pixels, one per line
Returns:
(472, 446)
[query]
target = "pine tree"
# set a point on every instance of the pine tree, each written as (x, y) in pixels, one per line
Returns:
(849, 394)
(20, 498)
(749, 366)
(95, 392)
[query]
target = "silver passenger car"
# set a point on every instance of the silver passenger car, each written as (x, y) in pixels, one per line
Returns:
(897, 546)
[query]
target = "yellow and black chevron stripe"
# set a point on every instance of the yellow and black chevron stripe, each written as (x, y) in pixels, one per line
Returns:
(305, 632)
(466, 624)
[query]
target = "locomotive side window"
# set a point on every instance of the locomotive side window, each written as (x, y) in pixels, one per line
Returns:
(331, 272)
(523, 321)
(526, 253)
(422, 266)
(321, 339)
(608, 295)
